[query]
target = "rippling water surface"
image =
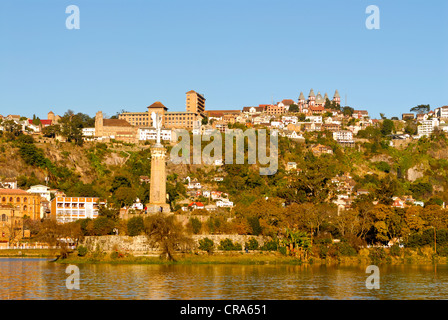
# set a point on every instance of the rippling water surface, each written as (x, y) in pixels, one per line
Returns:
(22, 278)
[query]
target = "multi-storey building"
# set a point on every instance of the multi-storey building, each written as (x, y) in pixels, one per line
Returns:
(195, 102)
(275, 109)
(151, 134)
(28, 204)
(69, 209)
(442, 112)
(118, 129)
(175, 119)
(11, 225)
(427, 127)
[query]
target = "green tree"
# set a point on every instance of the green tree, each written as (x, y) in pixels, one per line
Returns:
(206, 244)
(196, 225)
(421, 108)
(125, 196)
(51, 131)
(293, 108)
(167, 233)
(387, 127)
(348, 111)
(135, 226)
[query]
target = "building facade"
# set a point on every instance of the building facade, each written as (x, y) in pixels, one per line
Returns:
(195, 102)
(28, 204)
(118, 129)
(69, 209)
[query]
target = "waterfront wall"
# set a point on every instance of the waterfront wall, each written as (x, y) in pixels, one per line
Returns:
(142, 245)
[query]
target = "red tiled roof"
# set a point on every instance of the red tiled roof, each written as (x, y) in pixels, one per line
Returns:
(43, 122)
(12, 192)
(198, 204)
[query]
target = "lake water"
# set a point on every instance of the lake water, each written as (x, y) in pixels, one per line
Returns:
(30, 278)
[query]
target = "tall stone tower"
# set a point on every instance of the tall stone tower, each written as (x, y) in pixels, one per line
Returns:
(99, 124)
(157, 191)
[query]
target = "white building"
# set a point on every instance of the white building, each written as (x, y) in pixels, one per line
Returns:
(151, 134)
(317, 119)
(88, 132)
(224, 203)
(206, 194)
(277, 124)
(137, 205)
(427, 127)
(41, 190)
(441, 112)
(343, 135)
(289, 119)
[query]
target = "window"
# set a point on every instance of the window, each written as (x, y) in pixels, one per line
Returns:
(3, 217)
(18, 199)
(25, 200)
(3, 199)
(25, 208)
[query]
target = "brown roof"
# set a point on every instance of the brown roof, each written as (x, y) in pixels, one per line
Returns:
(157, 104)
(288, 102)
(13, 191)
(116, 123)
(221, 112)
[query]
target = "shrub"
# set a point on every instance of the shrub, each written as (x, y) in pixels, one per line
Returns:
(228, 245)
(206, 244)
(377, 255)
(82, 251)
(196, 225)
(443, 251)
(252, 244)
(345, 249)
(395, 250)
(270, 245)
(135, 226)
(282, 250)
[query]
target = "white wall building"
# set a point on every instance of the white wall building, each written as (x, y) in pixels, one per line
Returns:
(151, 134)
(41, 190)
(317, 119)
(427, 127)
(88, 132)
(343, 135)
(224, 203)
(441, 112)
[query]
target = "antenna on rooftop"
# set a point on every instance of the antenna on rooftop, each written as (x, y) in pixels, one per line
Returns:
(346, 100)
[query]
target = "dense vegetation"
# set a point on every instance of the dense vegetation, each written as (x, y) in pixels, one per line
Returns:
(285, 205)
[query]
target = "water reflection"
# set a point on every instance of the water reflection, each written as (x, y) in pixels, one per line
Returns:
(22, 278)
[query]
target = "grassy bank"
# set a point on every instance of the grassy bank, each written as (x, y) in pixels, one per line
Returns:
(32, 253)
(365, 257)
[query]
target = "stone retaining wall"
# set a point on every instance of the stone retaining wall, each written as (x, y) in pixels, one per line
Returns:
(141, 244)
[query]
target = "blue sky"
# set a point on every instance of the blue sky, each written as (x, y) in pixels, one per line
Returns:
(129, 54)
